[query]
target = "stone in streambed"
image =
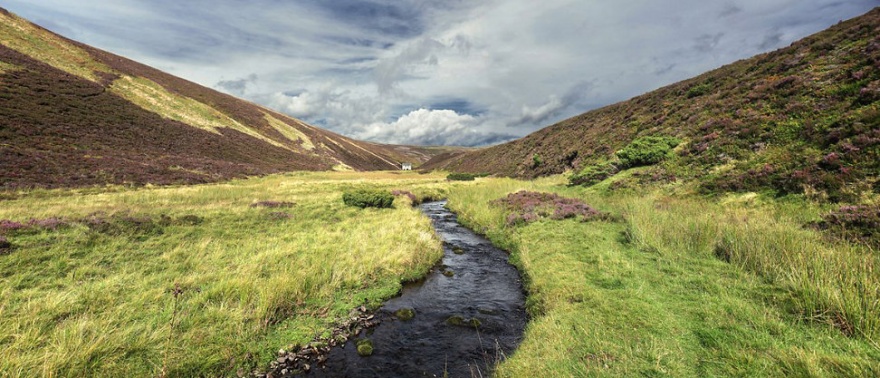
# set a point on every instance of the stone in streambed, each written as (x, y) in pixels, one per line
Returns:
(405, 314)
(365, 347)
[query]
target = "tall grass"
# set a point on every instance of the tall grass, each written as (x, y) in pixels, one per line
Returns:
(682, 286)
(200, 299)
(837, 284)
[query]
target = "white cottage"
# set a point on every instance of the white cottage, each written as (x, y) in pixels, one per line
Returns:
(406, 166)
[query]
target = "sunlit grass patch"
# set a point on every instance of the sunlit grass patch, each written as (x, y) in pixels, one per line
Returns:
(40, 44)
(98, 297)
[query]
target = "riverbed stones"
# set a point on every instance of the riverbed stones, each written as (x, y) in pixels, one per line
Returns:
(460, 321)
(405, 314)
(365, 347)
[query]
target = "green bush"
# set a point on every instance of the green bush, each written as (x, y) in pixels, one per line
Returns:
(646, 151)
(364, 198)
(593, 174)
(699, 90)
(461, 177)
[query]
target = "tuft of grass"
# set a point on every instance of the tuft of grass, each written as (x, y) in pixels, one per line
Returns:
(81, 300)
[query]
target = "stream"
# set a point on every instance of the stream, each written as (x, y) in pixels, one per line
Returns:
(469, 314)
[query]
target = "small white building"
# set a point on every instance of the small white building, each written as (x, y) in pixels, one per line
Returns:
(406, 166)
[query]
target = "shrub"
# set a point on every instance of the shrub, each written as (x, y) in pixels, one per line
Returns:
(855, 223)
(364, 198)
(699, 90)
(461, 177)
(525, 207)
(646, 151)
(593, 174)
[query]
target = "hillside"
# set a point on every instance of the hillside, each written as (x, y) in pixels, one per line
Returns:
(802, 119)
(73, 115)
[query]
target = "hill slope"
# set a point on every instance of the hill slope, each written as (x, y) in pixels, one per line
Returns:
(73, 115)
(801, 119)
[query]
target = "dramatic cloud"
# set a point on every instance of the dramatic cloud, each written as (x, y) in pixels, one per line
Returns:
(440, 72)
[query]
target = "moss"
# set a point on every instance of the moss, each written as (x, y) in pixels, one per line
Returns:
(459, 321)
(365, 347)
(405, 314)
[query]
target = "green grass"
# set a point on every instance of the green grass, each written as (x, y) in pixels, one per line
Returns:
(20, 35)
(647, 296)
(676, 285)
(81, 302)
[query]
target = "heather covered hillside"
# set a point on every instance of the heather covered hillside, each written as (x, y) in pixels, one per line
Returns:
(72, 115)
(800, 120)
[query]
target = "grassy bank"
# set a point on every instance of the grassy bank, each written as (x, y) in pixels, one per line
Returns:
(684, 287)
(197, 280)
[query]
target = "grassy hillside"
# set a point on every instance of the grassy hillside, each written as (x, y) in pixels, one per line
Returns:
(801, 120)
(73, 115)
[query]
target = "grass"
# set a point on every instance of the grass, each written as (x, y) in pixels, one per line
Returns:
(22, 36)
(203, 298)
(655, 295)
(155, 98)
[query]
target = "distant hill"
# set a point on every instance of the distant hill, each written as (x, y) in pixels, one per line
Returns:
(73, 115)
(802, 119)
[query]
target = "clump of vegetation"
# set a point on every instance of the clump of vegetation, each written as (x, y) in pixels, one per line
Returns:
(448, 273)
(461, 177)
(699, 90)
(536, 160)
(51, 224)
(593, 174)
(364, 198)
(525, 206)
(273, 204)
(647, 151)
(856, 223)
(405, 314)
(365, 347)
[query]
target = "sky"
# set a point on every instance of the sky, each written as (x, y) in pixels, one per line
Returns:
(441, 72)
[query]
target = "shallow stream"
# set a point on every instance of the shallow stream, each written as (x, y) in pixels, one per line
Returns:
(469, 314)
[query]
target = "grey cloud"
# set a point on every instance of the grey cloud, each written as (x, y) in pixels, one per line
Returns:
(771, 40)
(707, 42)
(390, 71)
(237, 87)
(730, 10)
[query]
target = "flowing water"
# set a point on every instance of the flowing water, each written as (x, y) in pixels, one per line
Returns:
(469, 314)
